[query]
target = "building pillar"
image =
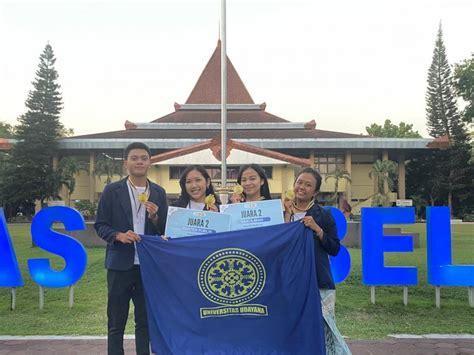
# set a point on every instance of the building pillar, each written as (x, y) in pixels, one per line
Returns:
(62, 191)
(311, 158)
(284, 179)
(159, 169)
(401, 176)
(348, 168)
(92, 176)
(384, 158)
(55, 162)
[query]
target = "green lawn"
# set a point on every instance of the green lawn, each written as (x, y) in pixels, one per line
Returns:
(356, 316)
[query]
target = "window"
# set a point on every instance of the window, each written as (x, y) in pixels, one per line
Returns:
(268, 171)
(215, 172)
(363, 158)
(176, 171)
(328, 163)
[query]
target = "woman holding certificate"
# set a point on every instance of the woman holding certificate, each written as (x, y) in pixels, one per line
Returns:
(300, 204)
(197, 191)
(252, 185)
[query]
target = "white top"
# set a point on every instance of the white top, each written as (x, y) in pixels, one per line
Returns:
(138, 214)
(299, 215)
(196, 205)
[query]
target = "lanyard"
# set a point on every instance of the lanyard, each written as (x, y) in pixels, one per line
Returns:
(139, 198)
(292, 217)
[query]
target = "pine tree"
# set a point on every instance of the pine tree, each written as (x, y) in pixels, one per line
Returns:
(30, 175)
(451, 168)
(6, 130)
(442, 113)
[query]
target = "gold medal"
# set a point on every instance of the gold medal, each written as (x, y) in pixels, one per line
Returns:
(209, 200)
(238, 189)
(142, 197)
(290, 195)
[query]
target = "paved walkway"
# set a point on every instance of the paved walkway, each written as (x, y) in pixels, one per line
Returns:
(96, 346)
(412, 346)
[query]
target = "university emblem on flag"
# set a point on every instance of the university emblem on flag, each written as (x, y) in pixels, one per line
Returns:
(232, 277)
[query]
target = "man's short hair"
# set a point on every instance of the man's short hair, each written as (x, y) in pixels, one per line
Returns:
(135, 145)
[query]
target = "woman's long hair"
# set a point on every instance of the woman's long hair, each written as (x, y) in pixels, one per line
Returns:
(184, 198)
(264, 189)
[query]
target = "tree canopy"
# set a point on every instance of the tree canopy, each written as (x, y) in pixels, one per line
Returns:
(390, 130)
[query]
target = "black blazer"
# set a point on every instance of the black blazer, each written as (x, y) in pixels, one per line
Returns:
(322, 249)
(114, 215)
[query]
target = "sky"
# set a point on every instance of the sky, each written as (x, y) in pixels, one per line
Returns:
(346, 64)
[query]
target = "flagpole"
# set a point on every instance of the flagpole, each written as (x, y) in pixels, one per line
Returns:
(223, 96)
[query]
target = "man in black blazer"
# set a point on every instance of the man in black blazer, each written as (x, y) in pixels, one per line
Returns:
(128, 208)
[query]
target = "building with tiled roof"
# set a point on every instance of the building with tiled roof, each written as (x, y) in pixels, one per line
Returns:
(191, 133)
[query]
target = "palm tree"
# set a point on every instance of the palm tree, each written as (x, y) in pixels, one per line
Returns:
(108, 167)
(69, 167)
(419, 202)
(384, 172)
(338, 175)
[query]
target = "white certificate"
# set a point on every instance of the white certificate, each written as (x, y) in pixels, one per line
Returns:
(185, 222)
(253, 214)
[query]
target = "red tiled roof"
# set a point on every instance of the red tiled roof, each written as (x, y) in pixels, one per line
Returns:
(209, 134)
(208, 87)
(188, 116)
(439, 143)
(5, 144)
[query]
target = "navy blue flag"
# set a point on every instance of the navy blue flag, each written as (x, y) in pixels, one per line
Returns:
(251, 291)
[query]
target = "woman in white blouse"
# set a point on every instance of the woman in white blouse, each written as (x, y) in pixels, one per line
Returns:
(196, 185)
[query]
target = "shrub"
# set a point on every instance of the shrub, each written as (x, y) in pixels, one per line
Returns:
(87, 208)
